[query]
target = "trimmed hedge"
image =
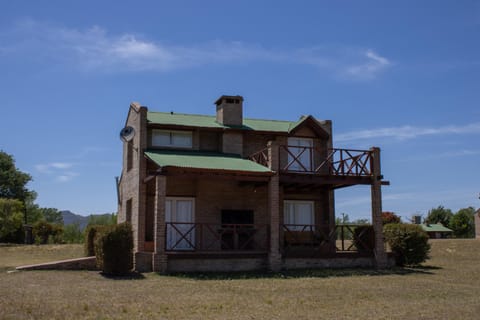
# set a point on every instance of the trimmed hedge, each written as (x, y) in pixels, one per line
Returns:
(364, 239)
(45, 232)
(409, 243)
(90, 232)
(114, 249)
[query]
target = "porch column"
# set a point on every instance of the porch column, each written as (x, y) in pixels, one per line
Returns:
(159, 261)
(274, 256)
(376, 191)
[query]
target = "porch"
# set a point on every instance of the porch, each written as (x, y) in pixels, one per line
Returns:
(205, 239)
(290, 215)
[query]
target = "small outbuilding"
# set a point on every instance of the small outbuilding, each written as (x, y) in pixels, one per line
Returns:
(436, 230)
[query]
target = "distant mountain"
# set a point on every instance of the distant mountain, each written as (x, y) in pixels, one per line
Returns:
(70, 218)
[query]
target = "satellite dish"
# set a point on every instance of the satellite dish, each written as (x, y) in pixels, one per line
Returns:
(127, 134)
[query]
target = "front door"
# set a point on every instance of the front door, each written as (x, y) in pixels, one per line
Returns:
(300, 154)
(179, 216)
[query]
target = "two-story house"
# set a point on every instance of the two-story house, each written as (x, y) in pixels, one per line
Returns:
(225, 193)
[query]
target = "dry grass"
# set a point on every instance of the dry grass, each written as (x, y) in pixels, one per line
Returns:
(12, 256)
(447, 287)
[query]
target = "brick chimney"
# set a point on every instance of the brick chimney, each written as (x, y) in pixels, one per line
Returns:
(230, 110)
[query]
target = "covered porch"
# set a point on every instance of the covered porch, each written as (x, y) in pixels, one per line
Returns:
(204, 218)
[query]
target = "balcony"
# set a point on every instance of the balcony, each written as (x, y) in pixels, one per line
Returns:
(320, 166)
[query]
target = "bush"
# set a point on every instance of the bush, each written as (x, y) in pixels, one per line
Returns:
(114, 249)
(90, 232)
(409, 243)
(72, 233)
(45, 232)
(364, 239)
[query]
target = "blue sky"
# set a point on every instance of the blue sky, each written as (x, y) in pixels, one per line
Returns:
(403, 76)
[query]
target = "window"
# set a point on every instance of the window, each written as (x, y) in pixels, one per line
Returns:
(128, 211)
(300, 154)
(298, 214)
(169, 138)
(129, 155)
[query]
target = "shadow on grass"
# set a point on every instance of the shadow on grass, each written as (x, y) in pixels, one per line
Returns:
(305, 273)
(128, 276)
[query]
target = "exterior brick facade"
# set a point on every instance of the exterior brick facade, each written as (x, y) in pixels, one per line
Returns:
(207, 215)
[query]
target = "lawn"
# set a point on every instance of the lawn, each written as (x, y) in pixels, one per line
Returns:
(446, 287)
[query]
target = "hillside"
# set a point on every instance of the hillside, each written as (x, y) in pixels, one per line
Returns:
(71, 218)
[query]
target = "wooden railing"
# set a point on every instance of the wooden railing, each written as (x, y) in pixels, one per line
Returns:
(206, 237)
(343, 238)
(335, 162)
(260, 157)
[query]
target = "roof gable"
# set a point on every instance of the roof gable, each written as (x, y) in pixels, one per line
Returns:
(311, 123)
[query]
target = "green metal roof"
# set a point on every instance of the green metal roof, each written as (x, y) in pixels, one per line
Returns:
(195, 120)
(438, 227)
(202, 160)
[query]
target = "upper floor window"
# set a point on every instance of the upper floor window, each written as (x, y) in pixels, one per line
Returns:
(171, 138)
(300, 154)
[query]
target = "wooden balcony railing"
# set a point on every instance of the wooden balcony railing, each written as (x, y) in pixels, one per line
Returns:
(335, 162)
(343, 238)
(206, 237)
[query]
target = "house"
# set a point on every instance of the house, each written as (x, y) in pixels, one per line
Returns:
(224, 193)
(436, 230)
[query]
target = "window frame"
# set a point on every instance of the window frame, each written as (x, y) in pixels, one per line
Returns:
(287, 215)
(171, 143)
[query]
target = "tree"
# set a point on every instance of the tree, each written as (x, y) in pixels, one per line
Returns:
(102, 219)
(390, 217)
(11, 217)
(345, 219)
(462, 223)
(12, 181)
(72, 233)
(439, 215)
(52, 215)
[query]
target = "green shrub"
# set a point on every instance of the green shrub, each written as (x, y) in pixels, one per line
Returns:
(114, 249)
(45, 232)
(72, 233)
(364, 239)
(90, 233)
(409, 243)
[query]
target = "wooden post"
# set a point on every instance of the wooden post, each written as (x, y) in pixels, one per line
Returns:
(376, 192)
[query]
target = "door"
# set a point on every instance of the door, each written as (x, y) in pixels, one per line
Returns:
(300, 154)
(179, 216)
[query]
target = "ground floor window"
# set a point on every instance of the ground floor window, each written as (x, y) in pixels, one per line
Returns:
(179, 216)
(298, 214)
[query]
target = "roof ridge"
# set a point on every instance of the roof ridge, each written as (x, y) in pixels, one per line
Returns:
(182, 114)
(213, 116)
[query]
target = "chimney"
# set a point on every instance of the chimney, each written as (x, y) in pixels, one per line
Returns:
(230, 110)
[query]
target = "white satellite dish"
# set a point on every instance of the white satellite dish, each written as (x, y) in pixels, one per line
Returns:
(127, 134)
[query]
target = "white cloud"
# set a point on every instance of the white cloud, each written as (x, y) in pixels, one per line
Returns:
(407, 132)
(57, 169)
(370, 68)
(94, 49)
(66, 176)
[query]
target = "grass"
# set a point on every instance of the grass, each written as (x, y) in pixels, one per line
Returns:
(12, 256)
(446, 287)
